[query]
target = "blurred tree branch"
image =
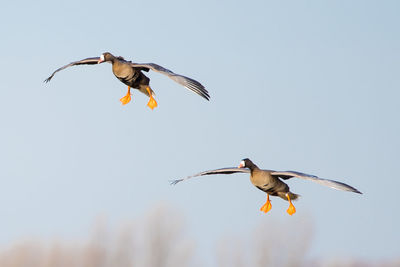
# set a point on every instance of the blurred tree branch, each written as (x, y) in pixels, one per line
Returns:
(160, 240)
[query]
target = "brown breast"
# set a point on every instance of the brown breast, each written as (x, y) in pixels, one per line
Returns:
(264, 181)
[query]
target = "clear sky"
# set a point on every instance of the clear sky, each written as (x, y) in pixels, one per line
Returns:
(311, 86)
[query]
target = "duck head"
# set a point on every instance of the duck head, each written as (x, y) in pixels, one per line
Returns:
(247, 163)
(106, 57)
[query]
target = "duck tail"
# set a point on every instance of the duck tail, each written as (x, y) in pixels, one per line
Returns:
(293, 196)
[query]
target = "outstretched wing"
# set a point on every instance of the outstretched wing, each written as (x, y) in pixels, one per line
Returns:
(330, 183)
(86, 61)
(217, 171)
(189, 83)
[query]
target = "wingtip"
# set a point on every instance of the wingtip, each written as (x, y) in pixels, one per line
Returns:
(204, 93)
(174, 182)
(198, 88)
(354, 190)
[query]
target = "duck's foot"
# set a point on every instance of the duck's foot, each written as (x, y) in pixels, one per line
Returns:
(127, 98)
(291, 210)
(267, 206)
(152, 102)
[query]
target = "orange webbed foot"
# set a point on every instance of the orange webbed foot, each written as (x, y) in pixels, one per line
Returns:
(127, 98)
(152, 102)
(291, 210)
(267, 206)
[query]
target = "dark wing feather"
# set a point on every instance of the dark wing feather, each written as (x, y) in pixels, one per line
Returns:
(326, 182)
(87, 61)
(217, 171)
(189, 83)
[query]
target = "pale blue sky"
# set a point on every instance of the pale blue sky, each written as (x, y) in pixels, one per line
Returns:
(311, 86)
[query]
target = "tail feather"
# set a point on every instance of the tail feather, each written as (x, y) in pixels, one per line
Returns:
(292, 196)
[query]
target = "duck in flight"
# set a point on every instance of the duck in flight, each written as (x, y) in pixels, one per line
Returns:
(271, 182)
(131, 74)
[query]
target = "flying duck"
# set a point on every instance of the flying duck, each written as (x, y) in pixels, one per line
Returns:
(271, 182)
(131, 74)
